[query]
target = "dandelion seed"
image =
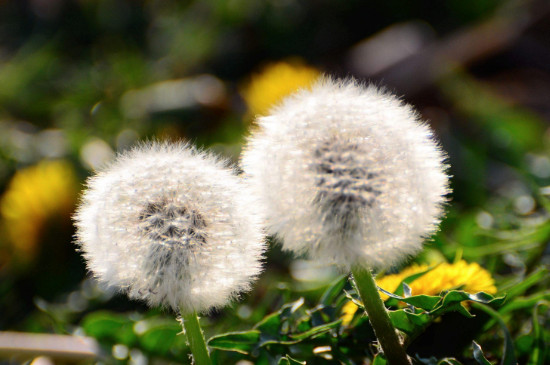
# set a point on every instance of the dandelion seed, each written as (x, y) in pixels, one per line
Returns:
(170, 225)
(347, 174)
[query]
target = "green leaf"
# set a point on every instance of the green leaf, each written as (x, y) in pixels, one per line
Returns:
(409, 323)
(527, 282)
(426, 302)
(393, 301)
(163, 337)
(108, 326)
(333, 290)
(422, 301)
(275, 328)
(524, 344)
(478, 354)
(518, 303)
(242, 342)
(538, 355)
(509, 356)
(315, 331)
(287, 360)
(379, 359)
(451, 301)
(270, 325)
(524, 302)
(355, 300)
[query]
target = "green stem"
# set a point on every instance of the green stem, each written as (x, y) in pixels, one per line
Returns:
(379, 318)
(195, 337)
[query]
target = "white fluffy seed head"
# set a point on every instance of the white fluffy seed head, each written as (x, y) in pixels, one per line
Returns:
(347, 174)
(170, 225)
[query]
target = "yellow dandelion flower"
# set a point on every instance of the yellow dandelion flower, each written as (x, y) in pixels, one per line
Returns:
(34, 196)
(470, 277)
(276, 81)
(348, 311)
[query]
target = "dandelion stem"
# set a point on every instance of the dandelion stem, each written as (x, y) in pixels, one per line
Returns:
(379, 318)
(195, 337)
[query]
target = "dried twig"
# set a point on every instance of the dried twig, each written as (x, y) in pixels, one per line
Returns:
(63, 347)
(462, 48)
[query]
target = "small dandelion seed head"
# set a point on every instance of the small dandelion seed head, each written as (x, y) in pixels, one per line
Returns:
(170, 225)
(347, 174)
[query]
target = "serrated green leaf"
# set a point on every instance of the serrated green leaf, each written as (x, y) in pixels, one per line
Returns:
(452, 299)
(419, 319)
(275, 327)
(478, 354)
(482, 297)
(287, 360)
(426, 302)
(242, 342)
(315, 331)
(270, 325)
(422, 301)
(452, 307)
(409, 323)
(409, 279)
(460, 308)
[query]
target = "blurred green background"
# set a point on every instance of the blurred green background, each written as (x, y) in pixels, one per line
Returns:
(82, 79)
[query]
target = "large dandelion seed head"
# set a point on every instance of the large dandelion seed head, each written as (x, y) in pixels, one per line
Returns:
(172, 226)
(347, 174)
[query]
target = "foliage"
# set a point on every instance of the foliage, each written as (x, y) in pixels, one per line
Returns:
(317, 333)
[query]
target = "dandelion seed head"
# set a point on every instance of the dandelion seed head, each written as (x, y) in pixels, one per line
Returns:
(171, 225)
(347, 174)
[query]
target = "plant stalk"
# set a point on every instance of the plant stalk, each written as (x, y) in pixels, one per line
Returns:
(195, 337)
(379, 318)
